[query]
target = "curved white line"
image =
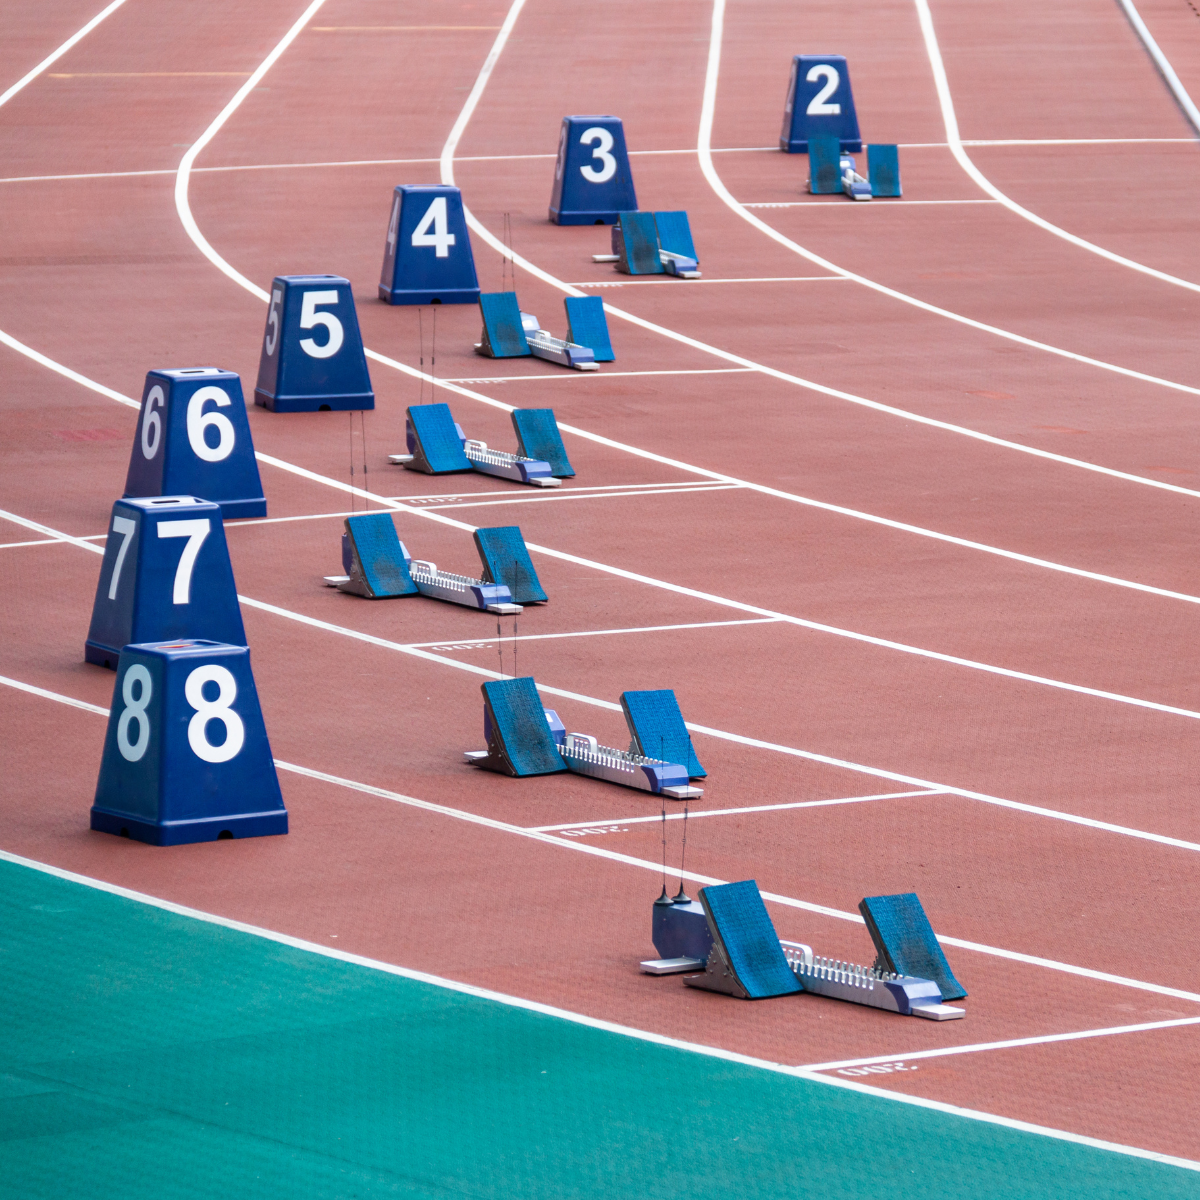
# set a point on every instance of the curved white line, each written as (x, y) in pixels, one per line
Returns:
(925, 17)
(704, 147)
(1163, 64)
(51, 59)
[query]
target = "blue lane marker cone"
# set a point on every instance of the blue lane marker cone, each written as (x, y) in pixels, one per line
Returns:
(312, 356)
(593, 183)
(186, 757)
(166, 574)
(819, 101)
(193, 438)
(427, 258)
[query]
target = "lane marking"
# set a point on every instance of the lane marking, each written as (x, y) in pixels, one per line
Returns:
(954, 141)
(590, 1022)
(1012, 1043)
(394, 28)
(718, 186)
(730, 812)
(1178, 91)
(852, 207)
(573, 495)
(656, 867)
(675, 282)
(55, 55)
(146, 74)
(600, 375)
(542, 637)
(724, 735)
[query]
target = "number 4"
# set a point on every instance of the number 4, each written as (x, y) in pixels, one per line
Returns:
(440, 239)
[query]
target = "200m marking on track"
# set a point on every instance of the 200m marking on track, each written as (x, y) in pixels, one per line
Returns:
(877, 1069)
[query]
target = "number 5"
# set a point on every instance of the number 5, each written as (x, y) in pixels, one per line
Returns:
(273, 322)
(817, 106)
(604, 143)
(195, 532)
(309, 317)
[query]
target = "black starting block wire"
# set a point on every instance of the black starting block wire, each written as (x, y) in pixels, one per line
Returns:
(362, 421)
(500, 646)
(664, 898)
(352, 504)
(421, 341)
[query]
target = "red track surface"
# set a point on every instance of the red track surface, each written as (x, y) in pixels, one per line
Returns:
(100, 276)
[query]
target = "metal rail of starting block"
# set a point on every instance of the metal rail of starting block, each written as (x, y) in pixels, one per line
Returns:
(904, 994)
(461, 589)
(508, 466)
(545, 345)
(585, 756)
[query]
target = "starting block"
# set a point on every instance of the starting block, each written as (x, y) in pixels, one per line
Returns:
(746, 959)
(437, 445)
(658, 243)
(740, 932)
(819, 101)
(831, 170)
(905, 942)
(592, 179)
(517, 731)
(538, 439)
(583, 755)
(166, 574)
(379, 566)
(656, 725)
(588, 326)
(186, 756)
(510, 333)
(301, 370)
(506, 563)
(193, 438)
(427, 258)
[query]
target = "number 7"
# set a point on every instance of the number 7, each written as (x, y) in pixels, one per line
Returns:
(125, 527)
(195, 532)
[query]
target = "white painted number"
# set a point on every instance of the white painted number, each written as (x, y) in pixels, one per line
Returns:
(213, 710)
(198, 421)
(441, 239)
(195, 532)
(135, 710)
(392, 227)
(604, 143)
(125, 527)
(817, 106)
(152, 425)
(309, 317)
(273, 322)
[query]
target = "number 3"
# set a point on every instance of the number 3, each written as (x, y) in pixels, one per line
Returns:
(604, 143)
(213, 710)
(817, 106)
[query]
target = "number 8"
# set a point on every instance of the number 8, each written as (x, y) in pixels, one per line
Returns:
(213, 710)
(135, 710)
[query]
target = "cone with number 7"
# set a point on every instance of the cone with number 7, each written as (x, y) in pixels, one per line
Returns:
(186, 757)
(165, 574)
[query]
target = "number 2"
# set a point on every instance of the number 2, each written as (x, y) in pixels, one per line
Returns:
(441, 239)
(817, 106)
(604, 143)
(195, 532)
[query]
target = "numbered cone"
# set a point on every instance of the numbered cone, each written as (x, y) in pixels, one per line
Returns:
(186, 757)
(819, 101)
(193, 439)
(593, 184)
(427, 257)
(165, 574)
(312, 356)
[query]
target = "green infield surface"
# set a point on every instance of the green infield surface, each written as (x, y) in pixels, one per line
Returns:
(148, 1053)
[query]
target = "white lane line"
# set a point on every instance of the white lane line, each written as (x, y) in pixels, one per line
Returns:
(21, 686)
(732, 812)
(717, 184)
(724, 735)
(542, 637)
(950, 120)
(573, 495)
(1163, 64)
(53, 57)
(594, 375)
(590, 1022)
(39, 542)
(873, 207)
(1012, 1043)
(691, 876)
(689, 282)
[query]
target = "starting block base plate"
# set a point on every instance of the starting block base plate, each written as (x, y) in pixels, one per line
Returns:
(671, 966)
(179, 833)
